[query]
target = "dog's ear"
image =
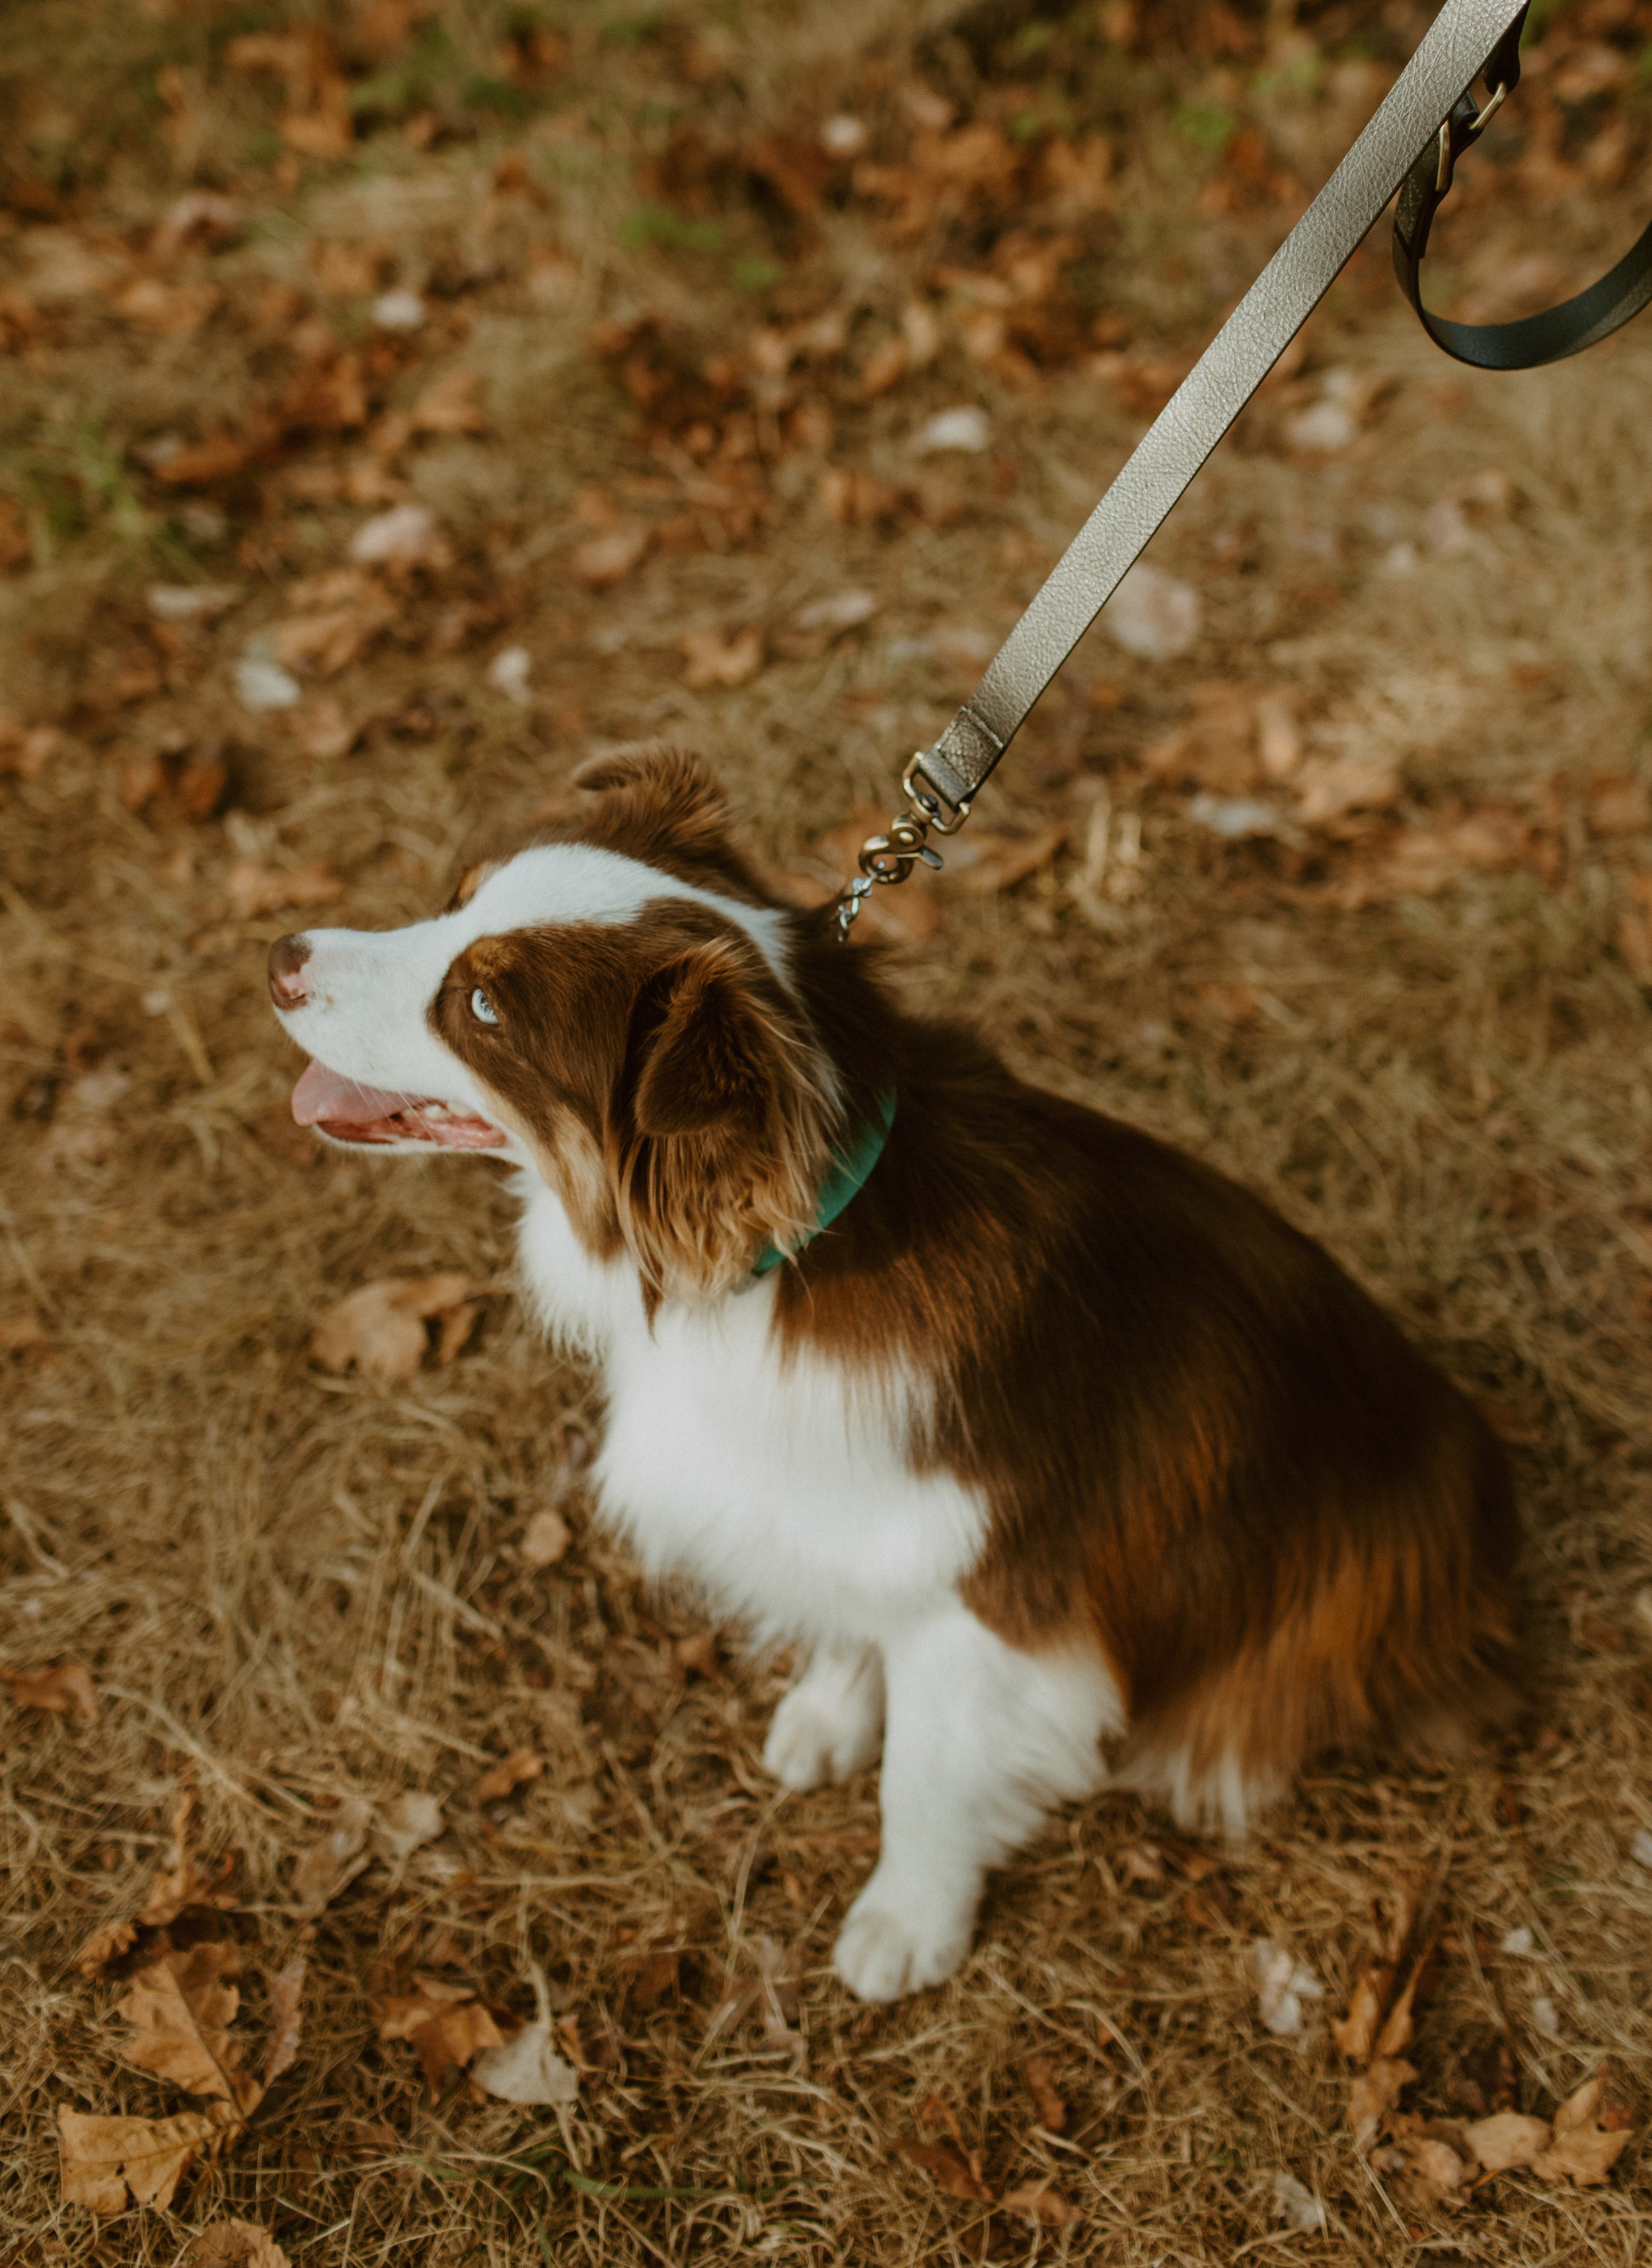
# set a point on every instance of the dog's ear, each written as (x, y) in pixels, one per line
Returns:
(704, 1050)
(660, 796)
(720, 1136)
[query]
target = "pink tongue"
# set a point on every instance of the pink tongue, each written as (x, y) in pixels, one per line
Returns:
(321, 1098)
(321, 1094)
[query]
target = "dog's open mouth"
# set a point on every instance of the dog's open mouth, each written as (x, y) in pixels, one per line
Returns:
(350, 1112)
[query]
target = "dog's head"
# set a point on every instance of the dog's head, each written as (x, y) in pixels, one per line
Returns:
(612, 1006)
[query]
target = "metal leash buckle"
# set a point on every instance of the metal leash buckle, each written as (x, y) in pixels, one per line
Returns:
(1427, 187)
(1459, 132)
(890, 857)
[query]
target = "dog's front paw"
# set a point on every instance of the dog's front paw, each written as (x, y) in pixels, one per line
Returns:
(887, 1947)
(826, 1729)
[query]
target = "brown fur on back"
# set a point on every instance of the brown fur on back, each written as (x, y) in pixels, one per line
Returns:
(1205, 1448)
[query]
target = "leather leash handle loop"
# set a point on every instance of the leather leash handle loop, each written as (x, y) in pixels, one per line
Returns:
(1559, 331)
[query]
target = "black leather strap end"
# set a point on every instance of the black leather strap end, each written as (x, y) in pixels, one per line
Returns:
(1566, 329)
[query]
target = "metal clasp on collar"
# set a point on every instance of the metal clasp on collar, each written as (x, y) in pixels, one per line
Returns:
(890, 857)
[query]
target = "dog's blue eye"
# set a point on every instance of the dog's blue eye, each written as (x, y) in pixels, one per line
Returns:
(482, 1008)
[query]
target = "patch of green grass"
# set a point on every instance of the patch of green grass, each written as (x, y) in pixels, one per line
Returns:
(627, 31)
(658, 225)
(1540, 14)
(1203, 125)
(103, 475)
(753, 273)
(485, 93)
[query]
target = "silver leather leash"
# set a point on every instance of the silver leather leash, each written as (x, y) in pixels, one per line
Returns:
(1423, 126)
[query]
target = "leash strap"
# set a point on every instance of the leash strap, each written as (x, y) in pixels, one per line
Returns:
(1428, 109)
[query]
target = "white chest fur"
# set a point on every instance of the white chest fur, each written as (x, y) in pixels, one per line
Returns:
(782, 1487)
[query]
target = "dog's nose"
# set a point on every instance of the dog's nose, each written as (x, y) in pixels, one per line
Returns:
(287, 958)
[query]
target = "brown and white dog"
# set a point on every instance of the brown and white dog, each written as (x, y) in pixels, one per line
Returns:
(1053, 1439)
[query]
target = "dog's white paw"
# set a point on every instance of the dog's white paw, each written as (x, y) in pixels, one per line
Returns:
(825, 1729)
(886, 1947)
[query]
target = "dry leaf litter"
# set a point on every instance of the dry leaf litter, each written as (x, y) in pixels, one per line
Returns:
(404, 401)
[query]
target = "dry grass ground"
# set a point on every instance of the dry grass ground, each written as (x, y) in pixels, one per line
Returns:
(292, 1588)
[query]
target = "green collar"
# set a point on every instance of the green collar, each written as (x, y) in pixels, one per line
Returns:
(851, 1170)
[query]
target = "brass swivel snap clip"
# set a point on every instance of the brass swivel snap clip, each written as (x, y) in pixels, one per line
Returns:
(891, 856)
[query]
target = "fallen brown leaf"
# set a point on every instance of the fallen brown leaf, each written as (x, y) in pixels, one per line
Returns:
(954, 2174)
(860, 499)
(105, 1945)
(1373, 2094)
(1040, 2203)
(447, 2024)
(332, 1863)
(1038, 2078)
(403, 538)
(204, 464)
(1590, 2136)
(172, 309)
(321, 729)
(998, 861)
(602, 561)
(1581, 2106)
(102, 2159)
(25, 750)
(1619, 803)
(1204, 1910)
(180, 2008)
(1219, 749)
(335, 619)
(545, 1539)
(1326, 787)
(65, 1689)
(452, 404)
(318, 121)
(1431, 2167)
(1234, 1003)
(233, 2244)
(815, 626)
(1140, 1862)
(1420, 861)
(935, 2110)
(696, 1656)
(510, 1773)
(178, 1880)
(1585, 2156)
(1634, 928)
(380, 1327)
(716, 658)
(16, 549)
(1355, 2034)
(286, 1994)
(198, 217)
(1507, 2139)
(255, 890)
(1395, 2036)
